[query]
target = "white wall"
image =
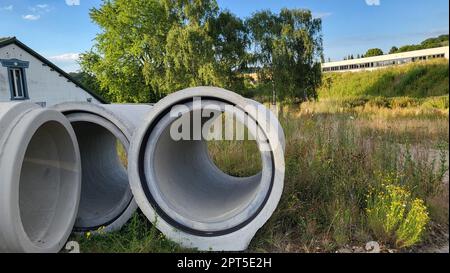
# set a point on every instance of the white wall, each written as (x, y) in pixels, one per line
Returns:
(43, 84)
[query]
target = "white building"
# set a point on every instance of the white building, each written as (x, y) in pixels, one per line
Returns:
(26, 75)
(372, 63)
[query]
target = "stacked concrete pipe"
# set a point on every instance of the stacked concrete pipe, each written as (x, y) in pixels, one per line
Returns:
(106, 201)
(189, 199)
(60, 170)
(40, 178)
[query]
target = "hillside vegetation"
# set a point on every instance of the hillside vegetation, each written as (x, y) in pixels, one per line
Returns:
(416, 81)
(439, 41)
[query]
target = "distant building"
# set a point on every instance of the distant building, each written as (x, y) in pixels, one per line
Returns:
(27, 76)
(372, 63)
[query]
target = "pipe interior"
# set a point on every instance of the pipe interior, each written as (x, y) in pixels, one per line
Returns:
(105, 191)
(230, 154)
(191, 189)
(48, 185)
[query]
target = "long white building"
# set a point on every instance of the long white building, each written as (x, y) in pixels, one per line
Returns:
(372, 63)
(25, 75)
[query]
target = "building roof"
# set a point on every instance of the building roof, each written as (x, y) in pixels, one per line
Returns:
(387, 57)
(4, 38)
(13, 40)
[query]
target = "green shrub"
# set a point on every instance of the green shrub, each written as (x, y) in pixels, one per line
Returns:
(441, 102)
(405, 102)
(395, 217)
(411, 229)
(355, 102)
(380, 102)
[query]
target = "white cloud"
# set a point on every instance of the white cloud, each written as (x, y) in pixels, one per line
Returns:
(31, 17)
(7, 8)
(73, 2)
(37, 11)
(40, 8)
(321, 15)
(65, 57)
(373, 2)
(66, 61)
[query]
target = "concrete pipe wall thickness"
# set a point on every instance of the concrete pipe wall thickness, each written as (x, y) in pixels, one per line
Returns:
(40, 178)
(106, 202)
(180, 189)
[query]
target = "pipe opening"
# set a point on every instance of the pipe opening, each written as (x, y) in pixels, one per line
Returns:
(235, 157)
(48, 181)
(105, 191)
(187, 185)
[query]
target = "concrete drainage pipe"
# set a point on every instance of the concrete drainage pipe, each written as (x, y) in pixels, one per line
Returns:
(106, 200)
(40, 178)
(178, 187)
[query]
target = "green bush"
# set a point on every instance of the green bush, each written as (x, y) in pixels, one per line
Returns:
(405, 102)
(380, 102)
(354, 102)
(395, 217)
(441, 102)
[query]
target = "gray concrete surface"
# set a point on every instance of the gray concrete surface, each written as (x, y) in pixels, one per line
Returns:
(40, 178)
(106, 201)
(189, 199)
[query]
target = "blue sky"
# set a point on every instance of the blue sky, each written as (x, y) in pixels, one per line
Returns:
(61, 29)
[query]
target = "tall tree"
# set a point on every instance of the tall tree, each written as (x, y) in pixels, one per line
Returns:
(128, 55)
(189, 58)
(148, 48)
(231, 40)
(264, 29)
(288, 50)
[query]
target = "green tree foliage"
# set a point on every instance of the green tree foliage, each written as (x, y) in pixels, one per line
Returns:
(264, 28)
(428, 43)
(189, 53)
(150, 48)
(130, 48)
(287, 50)
(90, 82)
(374, 52)
(231, 37)
(393, 50)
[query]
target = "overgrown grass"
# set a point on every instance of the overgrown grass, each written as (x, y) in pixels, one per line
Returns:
(330, 165)
(137, 236)
(236, 158)
(333, 159)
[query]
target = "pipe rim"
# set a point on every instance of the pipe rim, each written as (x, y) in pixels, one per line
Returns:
(16, 146)
(124, 127)
(215, 226)
(121, 207)
(237, 240)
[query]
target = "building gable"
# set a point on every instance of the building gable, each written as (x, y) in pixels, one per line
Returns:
(4, 42)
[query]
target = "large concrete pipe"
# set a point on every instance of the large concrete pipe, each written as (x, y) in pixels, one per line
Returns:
(40, 178)
(181, 190)
(106, 200)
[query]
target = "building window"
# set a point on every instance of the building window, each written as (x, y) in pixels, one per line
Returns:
(18, 91)
(17, 78)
